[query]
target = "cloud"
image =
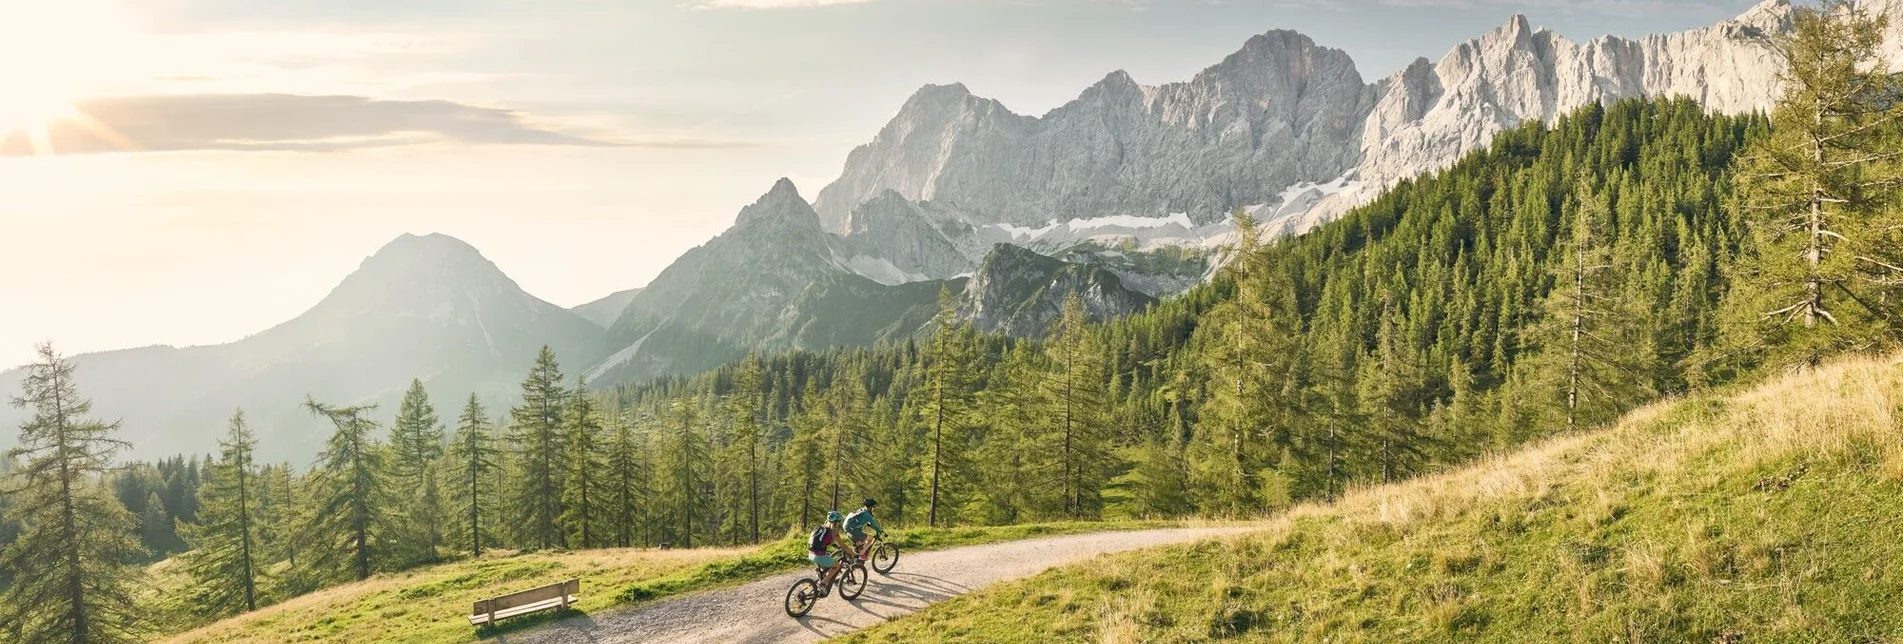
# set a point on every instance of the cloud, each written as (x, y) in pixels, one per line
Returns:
(768, 4)
(288, 122)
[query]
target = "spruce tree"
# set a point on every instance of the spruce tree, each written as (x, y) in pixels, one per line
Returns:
(542, 460)
(681, 476)
(227, 554)
(583, 497)
(627, 484)
(476, 462)
(749, 440)
(354, 514)
(70, 578)
(416, 446)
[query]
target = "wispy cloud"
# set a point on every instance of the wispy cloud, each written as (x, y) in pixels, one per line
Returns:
(767, 4)
(291, 122)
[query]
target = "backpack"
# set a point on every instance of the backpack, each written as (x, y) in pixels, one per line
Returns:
(817, 542)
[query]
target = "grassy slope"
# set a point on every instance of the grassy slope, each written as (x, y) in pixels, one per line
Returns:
(429, 604)
(1770, 515)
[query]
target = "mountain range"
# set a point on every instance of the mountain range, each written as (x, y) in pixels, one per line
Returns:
(1116, 197)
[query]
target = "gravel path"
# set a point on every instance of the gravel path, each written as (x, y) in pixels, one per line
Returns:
(752, 613)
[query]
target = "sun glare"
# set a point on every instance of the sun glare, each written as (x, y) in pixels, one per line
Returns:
(51, 53)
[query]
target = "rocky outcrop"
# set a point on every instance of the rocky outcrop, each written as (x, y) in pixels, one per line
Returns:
(1279, 112)
(1431, 114)
(1019, 292)
(1283, 126)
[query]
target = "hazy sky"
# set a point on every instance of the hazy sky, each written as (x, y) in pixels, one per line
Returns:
(258, 150)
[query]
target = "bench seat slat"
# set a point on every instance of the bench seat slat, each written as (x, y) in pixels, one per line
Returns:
(483, 618)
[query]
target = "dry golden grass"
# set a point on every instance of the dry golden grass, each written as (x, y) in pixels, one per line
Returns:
(430, 605)
(1769, 514)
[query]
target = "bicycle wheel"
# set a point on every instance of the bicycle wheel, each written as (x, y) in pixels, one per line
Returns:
(885, 558)
(801, 598)
(852, 582)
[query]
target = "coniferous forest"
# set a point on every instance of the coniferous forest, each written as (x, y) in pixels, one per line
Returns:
(1562, 276)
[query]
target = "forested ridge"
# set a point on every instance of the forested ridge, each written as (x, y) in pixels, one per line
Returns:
(1554, 280)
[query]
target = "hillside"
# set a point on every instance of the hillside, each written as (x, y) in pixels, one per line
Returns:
(425, 307)
(1763, 515)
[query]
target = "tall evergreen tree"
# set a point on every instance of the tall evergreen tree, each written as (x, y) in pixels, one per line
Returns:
(744, 411)
(227, 551)
(353, 514)
(1077, 408)
(949, 389)
(1820, 190)
(542, 460)
(416, 447)
(627, 491)
(476, 461)
(680, 476)
(1590, 341)
(583, 496)
(70, 580)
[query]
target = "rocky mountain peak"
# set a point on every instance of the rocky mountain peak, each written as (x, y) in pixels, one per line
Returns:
(412, 269)
(1768, 16)
(781, 204)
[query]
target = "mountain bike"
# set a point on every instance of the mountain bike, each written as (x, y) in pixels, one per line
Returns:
(807, 592)
(884, 555)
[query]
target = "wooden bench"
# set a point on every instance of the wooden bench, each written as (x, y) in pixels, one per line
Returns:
(559, 595)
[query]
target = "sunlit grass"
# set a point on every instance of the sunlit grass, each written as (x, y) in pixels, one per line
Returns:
(1768, 515)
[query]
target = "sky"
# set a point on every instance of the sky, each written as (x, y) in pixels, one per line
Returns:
(190, 172)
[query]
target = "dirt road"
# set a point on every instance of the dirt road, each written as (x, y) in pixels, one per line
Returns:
(752, 613)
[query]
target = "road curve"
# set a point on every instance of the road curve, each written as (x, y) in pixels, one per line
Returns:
(752, 613)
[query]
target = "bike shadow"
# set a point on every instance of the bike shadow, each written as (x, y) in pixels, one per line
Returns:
(825, 627)
(907, 591)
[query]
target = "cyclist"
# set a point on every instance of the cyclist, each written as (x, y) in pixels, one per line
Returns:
(856, 524)
(819, 546)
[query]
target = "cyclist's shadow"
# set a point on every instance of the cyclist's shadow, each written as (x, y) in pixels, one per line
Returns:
(825, 627)
(909, 591)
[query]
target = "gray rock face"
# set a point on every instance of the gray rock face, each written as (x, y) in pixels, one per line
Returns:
(1020, 292)
(1431, 114)
(1284, 127)
(1280, 111)
(894, 241)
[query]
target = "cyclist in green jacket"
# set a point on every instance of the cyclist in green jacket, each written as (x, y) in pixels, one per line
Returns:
(856, 524)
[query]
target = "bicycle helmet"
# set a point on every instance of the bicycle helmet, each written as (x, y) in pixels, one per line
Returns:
(871, 502)
(833, 517)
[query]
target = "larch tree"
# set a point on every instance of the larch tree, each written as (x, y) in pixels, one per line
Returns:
(70, 578)
(542, 456)
(1589, 338)
(1076, 407)
(1819, 196)
(354, 515)
(476, 461)
(227, 548)
(949, 388)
